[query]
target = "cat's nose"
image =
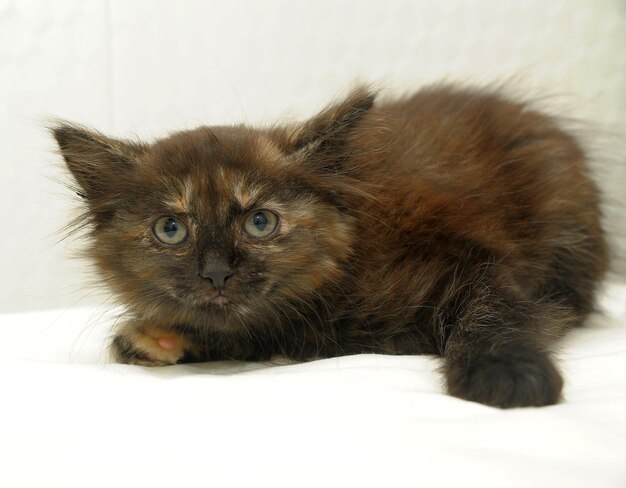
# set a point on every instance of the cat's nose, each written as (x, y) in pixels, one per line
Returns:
(218, 278)
(217, 272)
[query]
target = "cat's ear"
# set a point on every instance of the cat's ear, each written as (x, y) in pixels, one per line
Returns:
(98, 163)
(325, 133)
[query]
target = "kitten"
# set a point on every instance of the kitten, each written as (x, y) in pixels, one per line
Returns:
(453, 222)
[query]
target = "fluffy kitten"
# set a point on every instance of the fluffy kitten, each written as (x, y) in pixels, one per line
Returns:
(452, 222)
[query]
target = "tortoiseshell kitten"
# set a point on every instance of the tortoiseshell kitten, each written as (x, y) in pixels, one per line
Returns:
(452, 222)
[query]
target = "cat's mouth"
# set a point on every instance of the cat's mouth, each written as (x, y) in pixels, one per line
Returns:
(220, 300)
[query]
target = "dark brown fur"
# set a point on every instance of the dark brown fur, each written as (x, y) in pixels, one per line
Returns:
(453, 222)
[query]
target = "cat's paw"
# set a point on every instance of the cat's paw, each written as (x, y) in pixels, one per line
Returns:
(150, 347)
(505, 381)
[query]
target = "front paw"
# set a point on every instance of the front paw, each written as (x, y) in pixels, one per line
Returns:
(150, 347)
(505, 381)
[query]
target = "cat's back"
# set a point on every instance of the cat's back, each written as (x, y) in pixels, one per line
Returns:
(485, 149)
(472, 169)
(462, 138)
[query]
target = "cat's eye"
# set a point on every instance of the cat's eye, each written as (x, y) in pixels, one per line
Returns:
(260, 224)
(170, 231)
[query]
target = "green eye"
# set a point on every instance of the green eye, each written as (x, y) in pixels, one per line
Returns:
(260, 224)
(170, 231)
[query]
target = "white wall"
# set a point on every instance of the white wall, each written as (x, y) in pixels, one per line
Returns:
(145, 67)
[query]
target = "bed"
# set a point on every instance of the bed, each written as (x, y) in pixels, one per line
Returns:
(70, 418)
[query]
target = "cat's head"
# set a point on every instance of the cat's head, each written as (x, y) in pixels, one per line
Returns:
(218, 222)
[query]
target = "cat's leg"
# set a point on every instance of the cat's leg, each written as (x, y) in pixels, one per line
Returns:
(498, 351)
(146, 344)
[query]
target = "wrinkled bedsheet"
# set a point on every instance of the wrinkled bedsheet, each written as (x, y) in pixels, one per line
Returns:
(69, 418)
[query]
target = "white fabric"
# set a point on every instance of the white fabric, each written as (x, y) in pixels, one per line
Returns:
(70, 419)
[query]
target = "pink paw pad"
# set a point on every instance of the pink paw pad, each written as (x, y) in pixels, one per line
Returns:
(167, 342)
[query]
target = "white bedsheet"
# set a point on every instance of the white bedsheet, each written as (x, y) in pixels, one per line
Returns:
(70, 419)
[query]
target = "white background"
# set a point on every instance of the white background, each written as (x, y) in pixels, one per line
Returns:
(144, 67)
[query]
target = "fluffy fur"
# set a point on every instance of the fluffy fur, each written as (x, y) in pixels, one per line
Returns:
(452, 222)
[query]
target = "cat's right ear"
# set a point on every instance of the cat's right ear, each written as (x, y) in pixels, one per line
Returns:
(333, 124)
(320, 140)
(99, 163)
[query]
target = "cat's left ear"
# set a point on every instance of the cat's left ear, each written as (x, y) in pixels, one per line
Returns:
(99, 164)
(325, 133)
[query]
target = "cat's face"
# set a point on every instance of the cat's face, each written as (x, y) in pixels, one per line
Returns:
(228, 223)
(221, 224)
